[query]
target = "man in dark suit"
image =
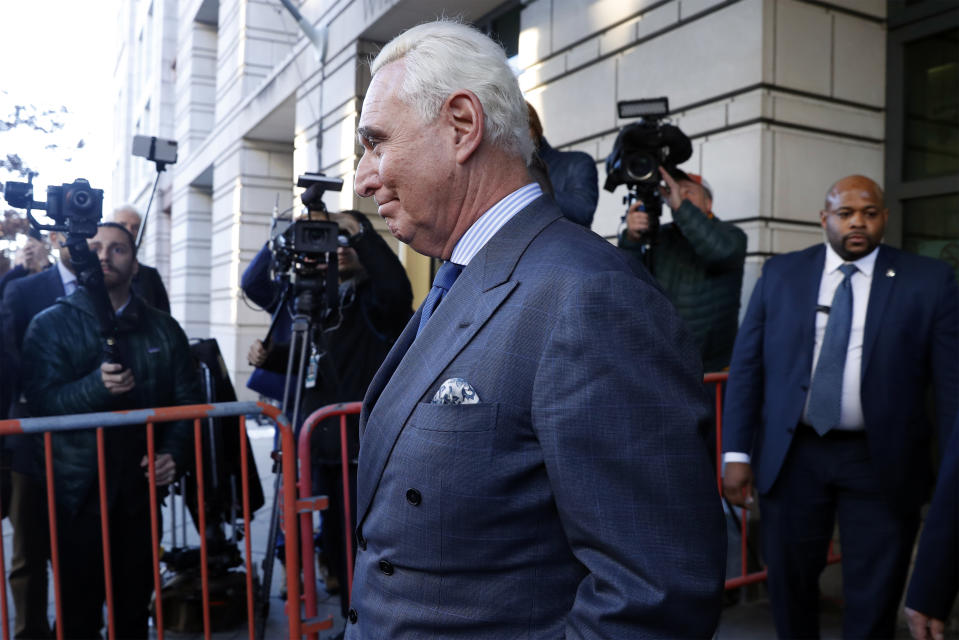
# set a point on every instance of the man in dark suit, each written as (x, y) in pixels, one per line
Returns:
(935, 577)
(147, 282)
(825, 409)
(22, 300)
(530, 462)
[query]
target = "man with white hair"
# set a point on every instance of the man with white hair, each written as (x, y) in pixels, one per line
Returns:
(147, 282)
(530, 459)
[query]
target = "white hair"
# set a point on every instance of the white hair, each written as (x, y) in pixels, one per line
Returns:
(128, 208)
(445, 56)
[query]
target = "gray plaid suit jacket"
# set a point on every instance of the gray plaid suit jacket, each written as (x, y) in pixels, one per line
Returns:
(576, 497)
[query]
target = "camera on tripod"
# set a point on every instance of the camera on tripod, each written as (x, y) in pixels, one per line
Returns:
(640, 149)
(303, 245)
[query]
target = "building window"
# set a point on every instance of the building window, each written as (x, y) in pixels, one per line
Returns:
(503, 26)
(931, 67)
(922, 128)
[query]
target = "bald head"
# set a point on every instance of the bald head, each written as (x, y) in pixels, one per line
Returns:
(855, 183)
(129, 217)
(854, 217)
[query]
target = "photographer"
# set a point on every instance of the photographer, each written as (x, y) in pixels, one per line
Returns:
(375, 303)
(697, 260)
(64, 373)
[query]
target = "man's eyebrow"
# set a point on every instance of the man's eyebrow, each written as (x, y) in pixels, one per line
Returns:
(369, 132)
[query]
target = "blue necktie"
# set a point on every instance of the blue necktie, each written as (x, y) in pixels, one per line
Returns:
(825, 394)
(444, 279)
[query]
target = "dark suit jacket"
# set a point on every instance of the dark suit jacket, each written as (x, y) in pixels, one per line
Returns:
(910, 343)
(935, 579)
(22, 299)
(148, 285)
(575, 498)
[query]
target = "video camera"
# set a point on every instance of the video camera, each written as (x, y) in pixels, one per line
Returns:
(640, 149)
(304, 244)
(304, 253)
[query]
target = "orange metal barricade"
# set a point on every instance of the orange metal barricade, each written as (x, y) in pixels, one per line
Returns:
(150, 417)
(746, 577)
(308, 503)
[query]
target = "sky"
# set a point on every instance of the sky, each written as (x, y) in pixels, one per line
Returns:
(60, 53)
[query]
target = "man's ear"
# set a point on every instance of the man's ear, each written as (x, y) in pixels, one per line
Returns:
(465, 115)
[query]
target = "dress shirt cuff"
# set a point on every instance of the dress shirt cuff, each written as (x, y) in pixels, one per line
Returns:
(735, 456)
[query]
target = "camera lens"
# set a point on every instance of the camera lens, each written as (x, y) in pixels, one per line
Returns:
(81, 199)
(640, 167)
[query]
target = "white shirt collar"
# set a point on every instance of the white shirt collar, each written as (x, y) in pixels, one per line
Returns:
(66, 276)
(865, 264)
(492, 221)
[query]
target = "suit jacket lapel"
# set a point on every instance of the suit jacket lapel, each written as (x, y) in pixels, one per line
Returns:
(879, 292)
(412, 367)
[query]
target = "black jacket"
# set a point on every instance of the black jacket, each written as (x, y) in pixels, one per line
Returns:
(698, 261)
(62, 352)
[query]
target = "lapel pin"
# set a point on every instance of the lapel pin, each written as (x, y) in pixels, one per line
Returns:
(890, 273)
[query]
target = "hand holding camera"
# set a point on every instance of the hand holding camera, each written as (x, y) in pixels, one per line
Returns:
(116, 379)
(670, 190)
(348, 225)
(637, 221)
(258, 353)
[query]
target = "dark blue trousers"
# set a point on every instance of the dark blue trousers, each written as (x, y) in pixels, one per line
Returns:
(824, 478)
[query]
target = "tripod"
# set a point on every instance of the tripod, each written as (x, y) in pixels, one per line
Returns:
(314, 367)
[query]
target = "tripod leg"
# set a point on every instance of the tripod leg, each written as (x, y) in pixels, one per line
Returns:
(263, 611)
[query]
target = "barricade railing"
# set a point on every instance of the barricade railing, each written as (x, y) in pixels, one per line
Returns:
(149, 417)
(310, 503)
(746, 577)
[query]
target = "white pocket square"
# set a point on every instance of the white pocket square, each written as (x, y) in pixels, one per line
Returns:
(455, 391)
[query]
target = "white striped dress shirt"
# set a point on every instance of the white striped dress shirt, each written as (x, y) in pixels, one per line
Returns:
(492, 221)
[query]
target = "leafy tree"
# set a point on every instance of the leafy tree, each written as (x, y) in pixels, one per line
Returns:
(47, 123)
(30, 117)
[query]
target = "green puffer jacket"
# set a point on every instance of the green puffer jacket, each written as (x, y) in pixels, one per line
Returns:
(62, 352)
(698, 261)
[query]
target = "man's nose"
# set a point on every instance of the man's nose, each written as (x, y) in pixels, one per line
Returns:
(365, 182)
(857, 219)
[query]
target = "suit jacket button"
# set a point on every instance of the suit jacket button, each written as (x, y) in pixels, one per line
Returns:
(352, 616)
(386, 567)
(414, 497)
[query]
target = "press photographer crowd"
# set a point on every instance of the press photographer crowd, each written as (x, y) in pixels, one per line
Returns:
(536, 452)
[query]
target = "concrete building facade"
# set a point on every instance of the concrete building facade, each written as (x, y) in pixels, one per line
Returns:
(779, 97)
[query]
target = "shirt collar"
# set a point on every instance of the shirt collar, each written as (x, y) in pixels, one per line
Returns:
(66, 276)
(865, 264)
(492, 221)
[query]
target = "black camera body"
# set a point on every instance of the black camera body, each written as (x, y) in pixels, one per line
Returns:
(306, 242)
(75, 207)
(640, 149)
